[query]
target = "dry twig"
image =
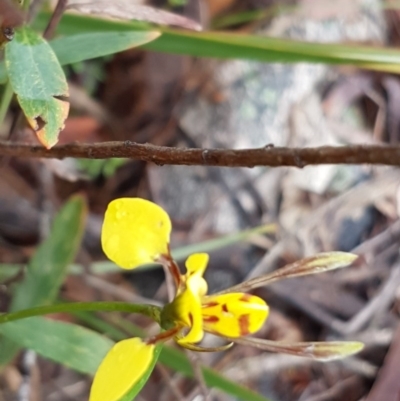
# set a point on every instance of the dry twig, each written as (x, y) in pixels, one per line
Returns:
(267, 156)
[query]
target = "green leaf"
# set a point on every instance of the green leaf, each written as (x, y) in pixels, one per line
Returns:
(39, 82)
(214, 244)
(83, 350)
(75, 48)
(96, 167)
(182, 252)
(8, 271)
(179, 254)
(48, 267)
(74, 346)
(224, 45)
(245, 16)
(177, 361)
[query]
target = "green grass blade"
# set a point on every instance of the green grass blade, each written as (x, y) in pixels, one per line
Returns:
(183, 252)
(225, 45)
(48, 267)
(73, 346)
(177, 361)
(82, 349)
(242, 17)
(214, 244)
(76, 48)
(180, 253)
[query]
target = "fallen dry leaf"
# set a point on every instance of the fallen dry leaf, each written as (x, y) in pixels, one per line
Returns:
(132, 10)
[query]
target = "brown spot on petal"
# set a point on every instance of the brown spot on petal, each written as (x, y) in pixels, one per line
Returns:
(191, 319)
(245, 298)
(210, 304)
(244, 325)
(211, 319)
(225, 308)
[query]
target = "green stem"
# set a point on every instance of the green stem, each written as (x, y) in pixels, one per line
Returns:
(153, 312)
(25, 4)
(6, 101)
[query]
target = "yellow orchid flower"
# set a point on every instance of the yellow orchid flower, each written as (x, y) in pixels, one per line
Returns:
(137, 232)
(230, 315)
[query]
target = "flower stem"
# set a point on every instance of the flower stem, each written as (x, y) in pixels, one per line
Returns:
(153, 312)
(5, 101)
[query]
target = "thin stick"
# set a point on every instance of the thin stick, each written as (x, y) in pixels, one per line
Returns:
(55, 19)
(268, 156)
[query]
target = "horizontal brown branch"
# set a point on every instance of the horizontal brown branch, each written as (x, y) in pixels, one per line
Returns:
(268, 156)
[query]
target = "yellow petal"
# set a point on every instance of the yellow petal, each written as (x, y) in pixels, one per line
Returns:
(234, 315)
(135, 232)
(196, 264)
(188, 310)
(121, 369)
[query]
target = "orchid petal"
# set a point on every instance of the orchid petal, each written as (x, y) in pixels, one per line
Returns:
(135, 232)
(187, 307)
(124, 365)
(196, 265)
(234, 315)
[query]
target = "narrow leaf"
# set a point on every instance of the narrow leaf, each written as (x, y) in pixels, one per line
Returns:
(48, 267)
(76, 48)
(176, 360)
(73, 346)
(178, 254)
(183, 252)
(83, 349)
(225, 45)
(39, 82)
(322, 351)
(319, 263)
